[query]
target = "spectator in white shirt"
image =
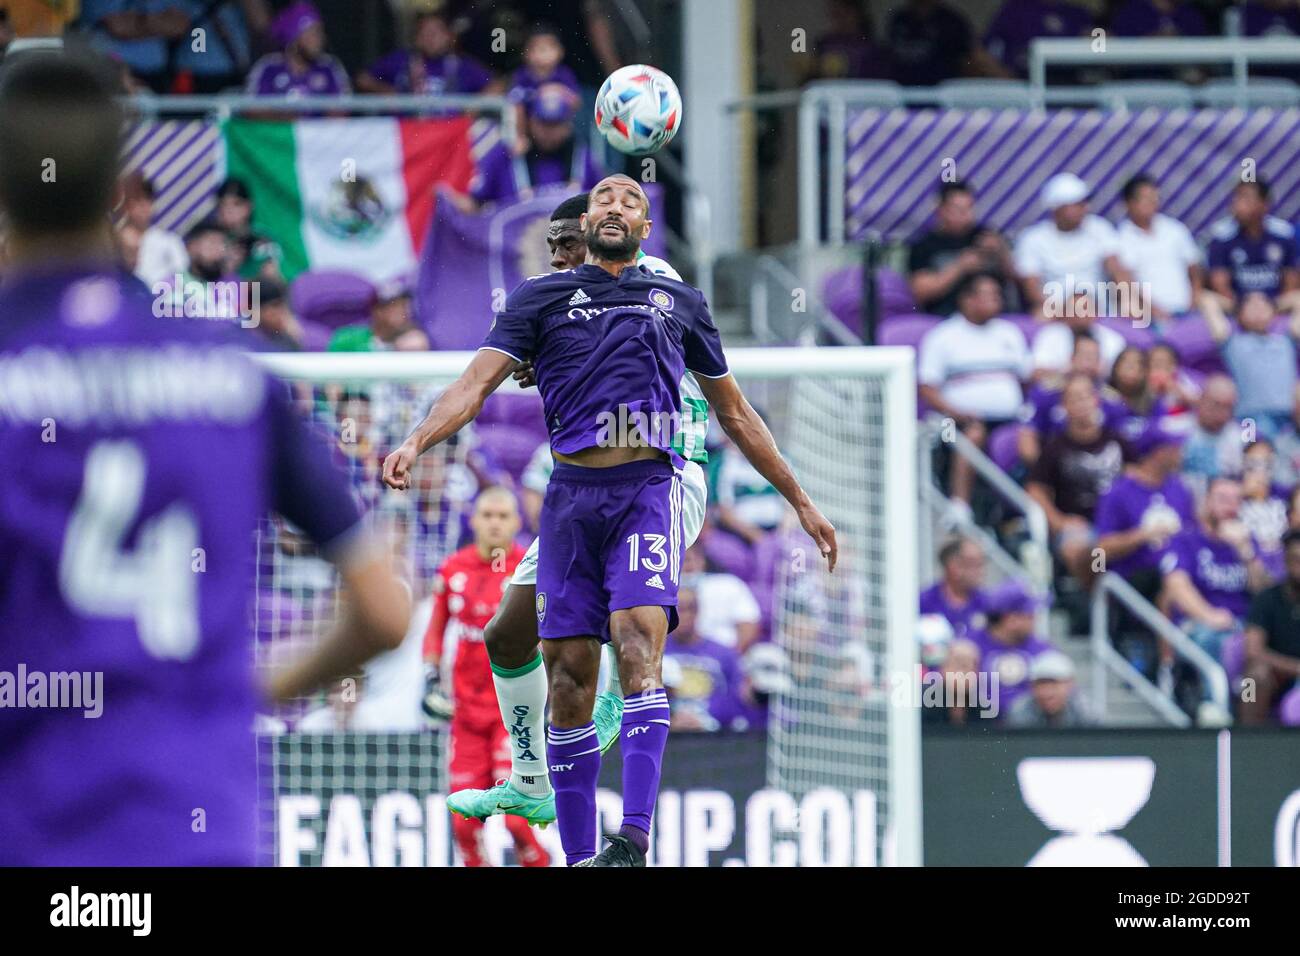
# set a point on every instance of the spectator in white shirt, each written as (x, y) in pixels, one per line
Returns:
(971, 368)
(1159, 251)
(728, 612)
(1072, 251)
(162, 256)
(1054, 343)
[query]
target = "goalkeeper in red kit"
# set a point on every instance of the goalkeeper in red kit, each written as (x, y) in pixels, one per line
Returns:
(466, 592)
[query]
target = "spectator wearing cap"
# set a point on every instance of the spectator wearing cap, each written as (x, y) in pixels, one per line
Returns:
(1211, 570)
(390, 327)
(958, 596)
(1053, 700)
(555, 156)
(1262, 362)
(1144, 508)
(971, 369)
(1214, 443)
(1008, 644)
(1070, 253)
(1077, 464)
(162, 254)
(1251, 251)
(956, 247)
(1159, 251)
(432, 66)
(254, 256)
(709, 682)
(302, 68)
(1273, 641)
(138, 33)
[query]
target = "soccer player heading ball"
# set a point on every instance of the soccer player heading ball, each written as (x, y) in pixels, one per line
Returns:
(609, 341)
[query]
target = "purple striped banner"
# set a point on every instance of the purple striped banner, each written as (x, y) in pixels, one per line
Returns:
(894, 160)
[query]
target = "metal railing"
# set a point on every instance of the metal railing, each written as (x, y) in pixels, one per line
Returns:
(1239, 52)
(767, 268)
(1106, 658)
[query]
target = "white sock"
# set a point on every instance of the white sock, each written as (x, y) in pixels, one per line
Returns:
(521, 695)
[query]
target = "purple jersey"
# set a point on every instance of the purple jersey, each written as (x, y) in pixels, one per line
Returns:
(138, 456)
(1020, 21)
(272, 76)
(408, 72)
(609, 351)
(965, 619)
(1255, 264)
(709, 680)
(1214, 567)
(502, 177)
(1128, 502)
(523, 84)
(1044, 413)
(1010, 662)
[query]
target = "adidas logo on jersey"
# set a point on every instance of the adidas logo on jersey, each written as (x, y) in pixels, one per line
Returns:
(579, 297)
(655, 582)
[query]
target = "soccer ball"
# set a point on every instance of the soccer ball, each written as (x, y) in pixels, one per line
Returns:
(638, 110)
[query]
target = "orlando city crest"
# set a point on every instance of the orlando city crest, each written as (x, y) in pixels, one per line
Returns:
(541, 606)
(353, 209)
(661, 300)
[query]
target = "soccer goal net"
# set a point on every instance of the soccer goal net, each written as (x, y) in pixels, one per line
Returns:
(357, 777)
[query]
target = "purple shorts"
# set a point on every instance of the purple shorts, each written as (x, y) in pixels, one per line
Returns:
(610, 538)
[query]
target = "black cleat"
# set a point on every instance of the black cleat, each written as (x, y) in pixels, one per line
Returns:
(620, 852)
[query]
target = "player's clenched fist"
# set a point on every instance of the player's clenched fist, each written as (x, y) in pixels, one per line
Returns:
(397, 466)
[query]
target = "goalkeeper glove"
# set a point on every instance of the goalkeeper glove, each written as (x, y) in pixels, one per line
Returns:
(437, 706)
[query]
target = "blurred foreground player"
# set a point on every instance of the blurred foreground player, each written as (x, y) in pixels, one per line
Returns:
(137, 458)
(466, 592)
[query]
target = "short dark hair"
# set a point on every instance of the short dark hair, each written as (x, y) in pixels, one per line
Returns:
(949, 549)
(202, 228)
(1260, 186)
(967, 285)
(58, 115)
(1134, 184)
(947, 189)
(571, 208)
(234, 186)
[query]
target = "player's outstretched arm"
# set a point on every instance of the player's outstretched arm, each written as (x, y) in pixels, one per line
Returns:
(374, 616)
(744, 427)
(454, 409)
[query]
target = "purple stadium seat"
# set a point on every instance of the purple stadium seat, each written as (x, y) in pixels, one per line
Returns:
(508, 446)
(842, 294)
(893, 293)
(1233, 656)
(1196, 348)
(1002, 446)
(906, 329)
(331, 298)
(726, 552)
(1142, 338)
(1288, 711)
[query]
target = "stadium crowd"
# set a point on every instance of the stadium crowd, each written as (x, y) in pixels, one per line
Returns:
(1143, 390)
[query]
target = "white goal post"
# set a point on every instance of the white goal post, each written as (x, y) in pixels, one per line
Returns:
(846, 420)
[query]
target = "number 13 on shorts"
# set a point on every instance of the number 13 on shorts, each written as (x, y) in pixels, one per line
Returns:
(655, 546)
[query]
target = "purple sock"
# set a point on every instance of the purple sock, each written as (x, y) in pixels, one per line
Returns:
(574, 758)
(645, 731)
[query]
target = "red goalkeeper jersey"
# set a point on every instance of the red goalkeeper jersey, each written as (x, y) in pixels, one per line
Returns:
(466, 592)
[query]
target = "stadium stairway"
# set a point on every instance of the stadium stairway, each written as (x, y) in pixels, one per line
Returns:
(1124, 708)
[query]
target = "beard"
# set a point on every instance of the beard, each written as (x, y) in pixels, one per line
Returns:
(610, 248)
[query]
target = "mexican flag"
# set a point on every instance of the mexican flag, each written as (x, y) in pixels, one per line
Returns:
(352, 194)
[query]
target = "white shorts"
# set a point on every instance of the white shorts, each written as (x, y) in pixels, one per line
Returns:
(695, 500)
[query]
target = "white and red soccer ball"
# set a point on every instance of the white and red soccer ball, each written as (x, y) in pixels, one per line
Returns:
(638, 110)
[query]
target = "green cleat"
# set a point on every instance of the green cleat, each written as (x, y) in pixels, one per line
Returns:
(503, 798)
(607, 715)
